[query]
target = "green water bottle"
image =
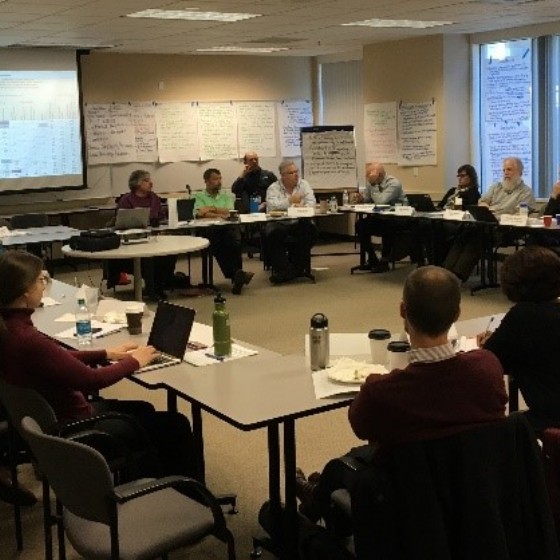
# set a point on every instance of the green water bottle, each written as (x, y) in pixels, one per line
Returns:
(221, 327)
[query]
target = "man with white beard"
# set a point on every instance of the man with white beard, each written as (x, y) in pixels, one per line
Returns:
(503, 197)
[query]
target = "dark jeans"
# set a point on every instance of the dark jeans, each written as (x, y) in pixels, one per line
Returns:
(226, 248)
(165, 437)
(368, 226)
(302, 232)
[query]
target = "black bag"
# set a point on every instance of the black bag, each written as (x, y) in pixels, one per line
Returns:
(95, 240)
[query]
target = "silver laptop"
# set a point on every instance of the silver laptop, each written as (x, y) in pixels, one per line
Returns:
(132, 218)
(170, 334)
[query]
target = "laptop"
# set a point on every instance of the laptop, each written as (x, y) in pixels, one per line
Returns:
(132, 218)
(185, 208)
(170, 334)
(482, 214)
(421, 202)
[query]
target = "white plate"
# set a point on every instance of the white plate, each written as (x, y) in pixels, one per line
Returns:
(353, 373)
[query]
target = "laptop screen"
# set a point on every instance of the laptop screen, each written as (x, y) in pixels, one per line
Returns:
(132, 218)
(171, 329)
(421, 202)
(185, 207)
(482, 214)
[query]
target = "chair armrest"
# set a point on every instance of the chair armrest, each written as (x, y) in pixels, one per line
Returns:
(184, 485)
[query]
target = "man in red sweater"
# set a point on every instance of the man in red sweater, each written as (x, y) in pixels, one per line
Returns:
(438, 394)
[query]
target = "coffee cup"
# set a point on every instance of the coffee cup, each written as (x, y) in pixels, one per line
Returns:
(134, 318)
(323, 206)
(233, 215)
(378, 345)
(547, 221)
(398, 354)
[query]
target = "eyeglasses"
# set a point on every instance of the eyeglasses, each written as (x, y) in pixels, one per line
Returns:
(459, 175)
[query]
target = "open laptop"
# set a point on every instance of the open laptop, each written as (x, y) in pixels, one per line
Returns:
(482, 214)
(132, 218)
(185, 209)
(170, 334)
(421, 202)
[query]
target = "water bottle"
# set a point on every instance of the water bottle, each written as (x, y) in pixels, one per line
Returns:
(254, 204)
(333, 204)
(221, 329)
(345, 198)
(83, 323)
(523, 209)
(319, 342)
(405, 201)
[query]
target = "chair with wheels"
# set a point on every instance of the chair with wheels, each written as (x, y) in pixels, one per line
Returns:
(139, 520)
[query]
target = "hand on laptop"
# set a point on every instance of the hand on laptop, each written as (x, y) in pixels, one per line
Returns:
(120, 352)
(144, 355)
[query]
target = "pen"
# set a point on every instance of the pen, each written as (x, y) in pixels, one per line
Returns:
(489, 324)
(218, 358)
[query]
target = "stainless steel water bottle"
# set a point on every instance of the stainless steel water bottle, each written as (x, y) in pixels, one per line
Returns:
(319, 342)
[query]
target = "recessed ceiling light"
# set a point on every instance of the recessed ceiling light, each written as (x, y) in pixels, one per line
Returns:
(192, 15)
(244, 49)
(414, 24)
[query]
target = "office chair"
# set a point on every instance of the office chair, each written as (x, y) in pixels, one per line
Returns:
(140, 520)
(476, 495)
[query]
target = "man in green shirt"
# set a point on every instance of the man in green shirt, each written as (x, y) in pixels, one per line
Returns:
(224, 242)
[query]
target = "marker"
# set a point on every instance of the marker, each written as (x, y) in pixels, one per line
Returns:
(489, 324)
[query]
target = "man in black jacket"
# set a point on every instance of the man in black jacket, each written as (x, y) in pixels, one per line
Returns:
(252, 182)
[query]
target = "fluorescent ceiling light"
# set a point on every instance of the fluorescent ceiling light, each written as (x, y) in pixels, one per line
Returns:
(244, 49)
(192, 15)
(414, 24)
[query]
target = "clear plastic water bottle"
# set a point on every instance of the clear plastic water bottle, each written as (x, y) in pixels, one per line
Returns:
(523, 209)
(221, 329)
(83, 323)
(345, 198)
(333, 204)
(405, 201)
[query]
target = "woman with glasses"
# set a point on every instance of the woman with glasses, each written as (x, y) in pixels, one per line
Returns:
(64, 377)
(467, 189)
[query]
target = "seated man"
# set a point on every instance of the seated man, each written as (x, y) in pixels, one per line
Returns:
(157, 272)
(381, 189)
(290, 190)
(552, 208)
(438, 394)
(224, 242)
(253, 181)
(503, 197)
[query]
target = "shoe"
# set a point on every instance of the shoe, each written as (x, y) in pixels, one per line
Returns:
(123, 280)
(382, 266)
(16, 496)
(156, 296)
(240, 279)
(306, 491)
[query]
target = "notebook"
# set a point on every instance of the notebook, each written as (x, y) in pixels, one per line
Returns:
(482, 214)
(170, 334)
(132, 218)
(421, 202)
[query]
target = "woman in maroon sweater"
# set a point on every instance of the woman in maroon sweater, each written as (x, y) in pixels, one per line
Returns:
(30, 359)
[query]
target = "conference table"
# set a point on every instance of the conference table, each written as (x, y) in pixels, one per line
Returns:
(156, 246)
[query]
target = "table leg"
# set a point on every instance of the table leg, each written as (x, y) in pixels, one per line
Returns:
(198, 441)
(291, 529)
(137, 271)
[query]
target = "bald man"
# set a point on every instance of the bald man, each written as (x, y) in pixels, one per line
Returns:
(252, 181)
(381, 189)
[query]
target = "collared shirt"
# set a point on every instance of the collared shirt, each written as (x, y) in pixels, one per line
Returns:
(204, 198)
(433, 354)
(501, 201)
(389, 191)
(277, 195)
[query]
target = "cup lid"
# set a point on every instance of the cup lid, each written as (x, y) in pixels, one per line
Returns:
(398, 346)
(379, 334)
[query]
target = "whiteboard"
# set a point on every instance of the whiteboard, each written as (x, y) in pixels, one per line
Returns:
(329, 157)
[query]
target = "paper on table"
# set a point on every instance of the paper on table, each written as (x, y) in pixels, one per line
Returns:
(49, 301)
(325, 388)
(255, 217)
(465, 344)
(105, 330)
(205, 357)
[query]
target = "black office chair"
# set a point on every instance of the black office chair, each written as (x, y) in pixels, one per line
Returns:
(476, 495)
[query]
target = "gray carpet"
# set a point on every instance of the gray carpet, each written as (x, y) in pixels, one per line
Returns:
(276, 317)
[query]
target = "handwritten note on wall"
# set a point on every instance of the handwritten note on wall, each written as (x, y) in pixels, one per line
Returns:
(177, 132)
(120, 132)
(380, 132)
(292, 116)
(329, 159)
(217, 131)
(256, 128)
(417, 133)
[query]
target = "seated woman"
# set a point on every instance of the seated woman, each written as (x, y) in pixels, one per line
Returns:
(526, 342)
(63, 377)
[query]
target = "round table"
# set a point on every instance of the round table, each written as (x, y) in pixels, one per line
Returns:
(155, 247)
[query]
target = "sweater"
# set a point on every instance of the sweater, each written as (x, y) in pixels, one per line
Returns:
(429, 400)
(30, 359)
(526, 343)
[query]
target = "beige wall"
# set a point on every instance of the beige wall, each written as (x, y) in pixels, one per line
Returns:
(418, 70)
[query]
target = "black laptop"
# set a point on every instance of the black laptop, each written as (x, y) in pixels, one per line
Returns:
(483, 214)
(421, 202)
(170, 334)
(185, 209)
(132, 218)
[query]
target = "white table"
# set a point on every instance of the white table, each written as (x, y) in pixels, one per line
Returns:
(155, 247)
